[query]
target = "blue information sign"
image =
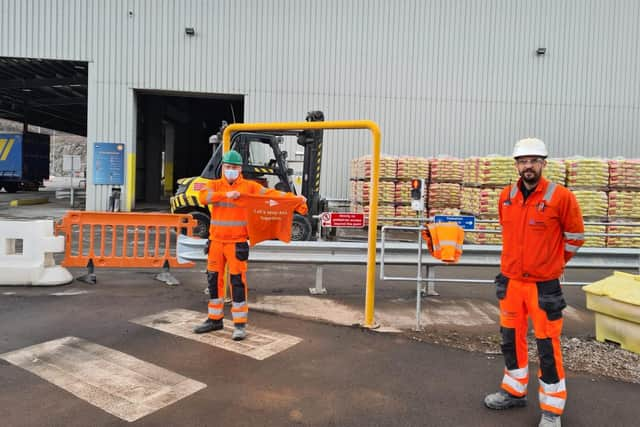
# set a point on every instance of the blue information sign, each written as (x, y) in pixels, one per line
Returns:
(108, 163)
(467, 222)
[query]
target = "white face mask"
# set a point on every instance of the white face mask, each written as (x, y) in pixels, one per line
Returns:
(231, 174)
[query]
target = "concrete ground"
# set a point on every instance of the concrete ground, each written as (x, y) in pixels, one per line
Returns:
(322, 372)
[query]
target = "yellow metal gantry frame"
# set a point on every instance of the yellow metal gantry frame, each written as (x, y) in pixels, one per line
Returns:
(375, 175)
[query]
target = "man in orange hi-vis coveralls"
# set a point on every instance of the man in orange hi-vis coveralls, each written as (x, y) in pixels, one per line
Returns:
(228, 241)
(542, 228)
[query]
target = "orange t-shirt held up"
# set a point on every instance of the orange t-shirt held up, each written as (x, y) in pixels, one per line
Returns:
(269, 216)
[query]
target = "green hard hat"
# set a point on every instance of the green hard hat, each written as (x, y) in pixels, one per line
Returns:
(232, 157)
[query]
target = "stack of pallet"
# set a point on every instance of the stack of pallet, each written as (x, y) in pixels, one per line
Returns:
(625, 241)
(412, 167)
(556, 171)
(480, 202)
(587, 173)
(483, 238)
(445, 181)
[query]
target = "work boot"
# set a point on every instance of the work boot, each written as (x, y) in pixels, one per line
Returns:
(239, 332)
(208, 326)
(549, 419)
(503, 400)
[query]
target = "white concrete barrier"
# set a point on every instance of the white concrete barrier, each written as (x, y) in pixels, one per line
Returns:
(26, 254)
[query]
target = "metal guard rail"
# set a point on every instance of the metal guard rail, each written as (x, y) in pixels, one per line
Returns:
(398, 253)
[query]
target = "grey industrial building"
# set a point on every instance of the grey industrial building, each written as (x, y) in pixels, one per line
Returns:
(457, 77)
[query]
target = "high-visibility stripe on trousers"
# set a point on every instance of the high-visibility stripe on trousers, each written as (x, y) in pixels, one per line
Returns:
(543, 302)
(234, 255)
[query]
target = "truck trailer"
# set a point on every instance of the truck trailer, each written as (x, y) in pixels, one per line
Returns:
(24, 161)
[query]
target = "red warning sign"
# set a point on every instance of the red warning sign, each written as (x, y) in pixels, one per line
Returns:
(342, 219)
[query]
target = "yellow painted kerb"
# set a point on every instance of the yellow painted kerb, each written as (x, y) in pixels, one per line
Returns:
(375, 175)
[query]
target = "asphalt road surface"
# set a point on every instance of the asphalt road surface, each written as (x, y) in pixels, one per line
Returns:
(120, 353)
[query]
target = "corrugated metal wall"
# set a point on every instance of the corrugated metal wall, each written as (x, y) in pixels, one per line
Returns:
(457, 77)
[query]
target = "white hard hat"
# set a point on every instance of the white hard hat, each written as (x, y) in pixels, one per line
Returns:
(530, 147)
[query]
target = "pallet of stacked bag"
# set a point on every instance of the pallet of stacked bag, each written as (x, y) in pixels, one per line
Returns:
(594, 204)
(496, 171)
(444, 195)
(482, 238)
(446, 169)
(587, 173)
(410, 167)
(624, 205)
(598, 241)
(480, 202)
(556, 171)
(470, 171)
(444, 211)
(628, 240)
(405, 211)
(624, 174)
(388, 166)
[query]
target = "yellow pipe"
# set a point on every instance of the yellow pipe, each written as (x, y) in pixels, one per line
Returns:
(375, 176)
(131, 181)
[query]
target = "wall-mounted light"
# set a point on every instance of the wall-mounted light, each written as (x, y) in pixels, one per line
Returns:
(190, 31)
(541, 51)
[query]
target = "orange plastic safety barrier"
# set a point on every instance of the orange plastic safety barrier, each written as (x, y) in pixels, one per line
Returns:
(122, 239)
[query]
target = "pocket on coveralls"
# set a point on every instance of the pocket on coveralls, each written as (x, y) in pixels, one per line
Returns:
(501, 282)
(242, 251)
(551, 299)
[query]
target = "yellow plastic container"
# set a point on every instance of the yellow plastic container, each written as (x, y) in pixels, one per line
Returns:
(616, 303)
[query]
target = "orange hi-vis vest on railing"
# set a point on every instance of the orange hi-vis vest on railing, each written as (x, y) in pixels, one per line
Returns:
(444, 241)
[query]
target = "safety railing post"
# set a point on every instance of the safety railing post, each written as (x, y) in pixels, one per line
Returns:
(319, 289)
(419, 283)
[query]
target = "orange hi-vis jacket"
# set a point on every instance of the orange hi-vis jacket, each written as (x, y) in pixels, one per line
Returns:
(444, 241)
(270, 216)
(539, 234)
(228, 218)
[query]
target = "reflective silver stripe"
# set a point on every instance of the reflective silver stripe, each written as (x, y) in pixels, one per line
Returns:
(262, 191)
(449, 243)
(554, 402)
(549, 194)
(239, 305)
(228, 223)
(571, 248)
(282, 193)
(520, 374)
(223, 205)
(574, 236)
(514, 384)
(237, 315)
(514, 191)
(215, 311)
(218, 310)
(209, 198)
(558, 387)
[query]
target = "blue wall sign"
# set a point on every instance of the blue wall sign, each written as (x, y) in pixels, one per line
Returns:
(108, 163)
(467, 222)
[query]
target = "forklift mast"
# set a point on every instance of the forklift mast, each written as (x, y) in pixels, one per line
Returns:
(311, 140)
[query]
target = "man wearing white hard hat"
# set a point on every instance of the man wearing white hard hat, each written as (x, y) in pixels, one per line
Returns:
(542, 228)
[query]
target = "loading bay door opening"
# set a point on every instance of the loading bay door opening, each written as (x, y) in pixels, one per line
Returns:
(172, 141)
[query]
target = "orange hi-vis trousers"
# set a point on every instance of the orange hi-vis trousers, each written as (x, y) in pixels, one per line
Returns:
(235, 255)
(543, 303)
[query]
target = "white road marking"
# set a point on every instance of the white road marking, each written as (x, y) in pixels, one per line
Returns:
(9, 293)
(259, 344)
(70, 292)
(115, 382)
